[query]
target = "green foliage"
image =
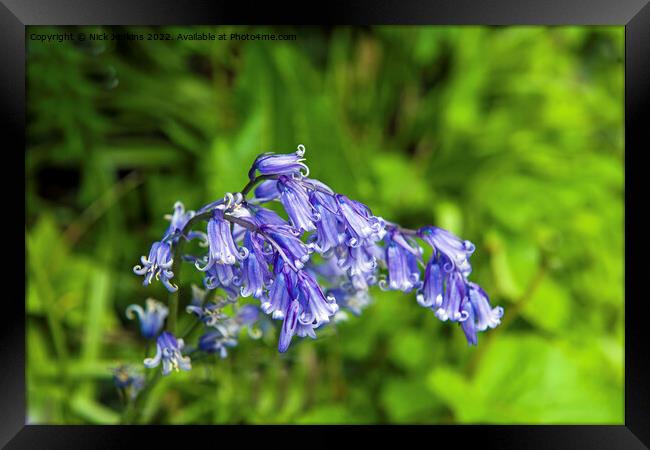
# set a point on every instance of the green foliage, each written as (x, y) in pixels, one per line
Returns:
(511, 137)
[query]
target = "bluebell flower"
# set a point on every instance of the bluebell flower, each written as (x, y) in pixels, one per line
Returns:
(267, 191)
(157, 265)
(285, 241)
(329, 228)
(289, 325)
(225, 277)
(266, 216)
(456, 250)
(279, 298)
(168, 351)
(255, 271)
(292, 325)
(295, 199)
(453, 298)
(221, 275)
(222, 248)
(151, 319)
(301, 303)
(430, 295)
(178, 219)
(360, 224)
(402, 259)
(486, 316)
(360, 264)
(316, 307)
(315, 185)
(469, 325)
(280, 164)
(253, 251)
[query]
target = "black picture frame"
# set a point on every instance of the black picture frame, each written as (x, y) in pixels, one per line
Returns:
(15, 15)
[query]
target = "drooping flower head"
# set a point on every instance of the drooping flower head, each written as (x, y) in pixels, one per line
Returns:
(360, 224)
(158, 265)
(280, 164)
(168, 351)
(278, 298)
(295, 199)
(486, 316)
(255, 270)
(152, 318)
(222, 248)
(267, 191)
(226, 276)
(453, 299)
(285, 241)
(325, 256)
(177, 221)
(430, 295)
(316, 307)
(329, 229)
(456, 250)
(402, 259)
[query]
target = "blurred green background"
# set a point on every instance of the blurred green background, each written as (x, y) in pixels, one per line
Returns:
(511, 137)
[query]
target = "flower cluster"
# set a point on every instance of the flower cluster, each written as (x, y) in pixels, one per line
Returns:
(305, 269)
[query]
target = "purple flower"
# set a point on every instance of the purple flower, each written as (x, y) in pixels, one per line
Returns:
(266, 216)
(267, 191)
(316, 307)
(402, 260)
(279, 297)
(222, 248)
(168, 351)
(289, 326)
(450, 245)
(285, 241)
(329, 228)
(254, 251)
(453, 298)
(157, 265)
(360, 264)
(430, 295)
(295, 199)
(255, 271)
(469, 326)
(486, 316)
(151, 320)
(222, 275)
(274, 164)
(360, 224)
(178, 219)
